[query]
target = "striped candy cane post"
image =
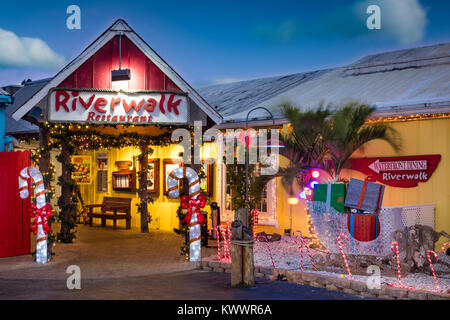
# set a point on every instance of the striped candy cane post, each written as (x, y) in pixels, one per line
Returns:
(394, 244)
(35, 174)
(255, 214)
(219, 256)
(447, 244)
(432, 268)
(268, 248)
(303, 243)
(194, 191)
(343, 254)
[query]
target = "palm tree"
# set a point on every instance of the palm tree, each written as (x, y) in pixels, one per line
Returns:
(348, 133)
(304, 142)
(327, 137)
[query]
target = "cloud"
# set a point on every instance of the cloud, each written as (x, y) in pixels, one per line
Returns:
(285, 31)
(225, 80)
(19, 52)
(403, 20)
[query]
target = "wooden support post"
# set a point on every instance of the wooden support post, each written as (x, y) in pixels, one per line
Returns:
(44, 161)
(143, 195)
(248, 270)
(242, 263)
(236, 255)
(67, 219)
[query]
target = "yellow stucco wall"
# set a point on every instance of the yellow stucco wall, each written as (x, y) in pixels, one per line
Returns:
(419, 137)
(162, 211)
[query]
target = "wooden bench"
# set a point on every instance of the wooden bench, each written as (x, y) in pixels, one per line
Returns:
(112, 208)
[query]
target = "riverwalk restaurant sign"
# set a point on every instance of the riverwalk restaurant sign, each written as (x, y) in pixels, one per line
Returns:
(402, 172)
(112, 107)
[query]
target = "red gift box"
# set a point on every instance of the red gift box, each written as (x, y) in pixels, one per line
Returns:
(366, 227)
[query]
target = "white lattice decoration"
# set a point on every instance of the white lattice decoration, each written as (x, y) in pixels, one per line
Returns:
(329, 224)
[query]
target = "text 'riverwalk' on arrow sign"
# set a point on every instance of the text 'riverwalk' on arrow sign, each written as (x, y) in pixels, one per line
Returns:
(402, 172)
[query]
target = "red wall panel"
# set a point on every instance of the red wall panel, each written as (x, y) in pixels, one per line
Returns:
(102, 67)
(83, 76)
(14, 211)
(96, 72)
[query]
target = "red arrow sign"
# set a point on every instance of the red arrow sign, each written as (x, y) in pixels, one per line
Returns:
(402, 172)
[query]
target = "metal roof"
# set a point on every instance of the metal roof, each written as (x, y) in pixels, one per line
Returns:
(3, 92)
(393, 81)
(22, 95)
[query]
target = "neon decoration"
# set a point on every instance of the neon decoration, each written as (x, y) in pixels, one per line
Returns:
(315, 174)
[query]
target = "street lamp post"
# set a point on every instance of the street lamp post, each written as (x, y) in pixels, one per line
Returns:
(247, 152)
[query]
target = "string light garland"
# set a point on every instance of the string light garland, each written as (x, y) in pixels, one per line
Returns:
(411, 117)
(315, 242)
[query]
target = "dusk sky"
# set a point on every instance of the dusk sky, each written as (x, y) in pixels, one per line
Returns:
(211, 42)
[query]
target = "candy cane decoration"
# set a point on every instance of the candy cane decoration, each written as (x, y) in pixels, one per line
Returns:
(43, 210)
(399, 285)
(226, 234)
(255, 213)
(343, 254)
(195, 202)
(445, 245)
(268, 247)
(432, 269)
(219, 257)
(302, 244)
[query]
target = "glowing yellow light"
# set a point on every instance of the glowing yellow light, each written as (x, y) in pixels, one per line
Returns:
(293, 200)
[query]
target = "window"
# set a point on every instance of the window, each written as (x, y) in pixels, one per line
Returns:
(267, 207)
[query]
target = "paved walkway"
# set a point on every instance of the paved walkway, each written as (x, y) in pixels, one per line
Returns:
(187, 285)
(104, 253)
(127, 264)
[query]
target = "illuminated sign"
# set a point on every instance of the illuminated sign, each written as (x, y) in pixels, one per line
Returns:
(403, 172)
(112, 107)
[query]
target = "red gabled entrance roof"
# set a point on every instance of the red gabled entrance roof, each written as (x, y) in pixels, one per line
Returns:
(96, 71)
(92, 69)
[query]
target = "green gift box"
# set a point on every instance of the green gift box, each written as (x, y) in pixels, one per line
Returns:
(332, 194)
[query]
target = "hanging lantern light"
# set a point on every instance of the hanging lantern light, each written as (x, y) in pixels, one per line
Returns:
(120, 74)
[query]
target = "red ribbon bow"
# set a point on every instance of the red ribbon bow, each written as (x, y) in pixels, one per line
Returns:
(44, 213)
(193, 206)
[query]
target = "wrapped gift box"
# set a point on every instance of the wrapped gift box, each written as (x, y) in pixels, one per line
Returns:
(332, 194)
(363, 227)
(364, 195)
